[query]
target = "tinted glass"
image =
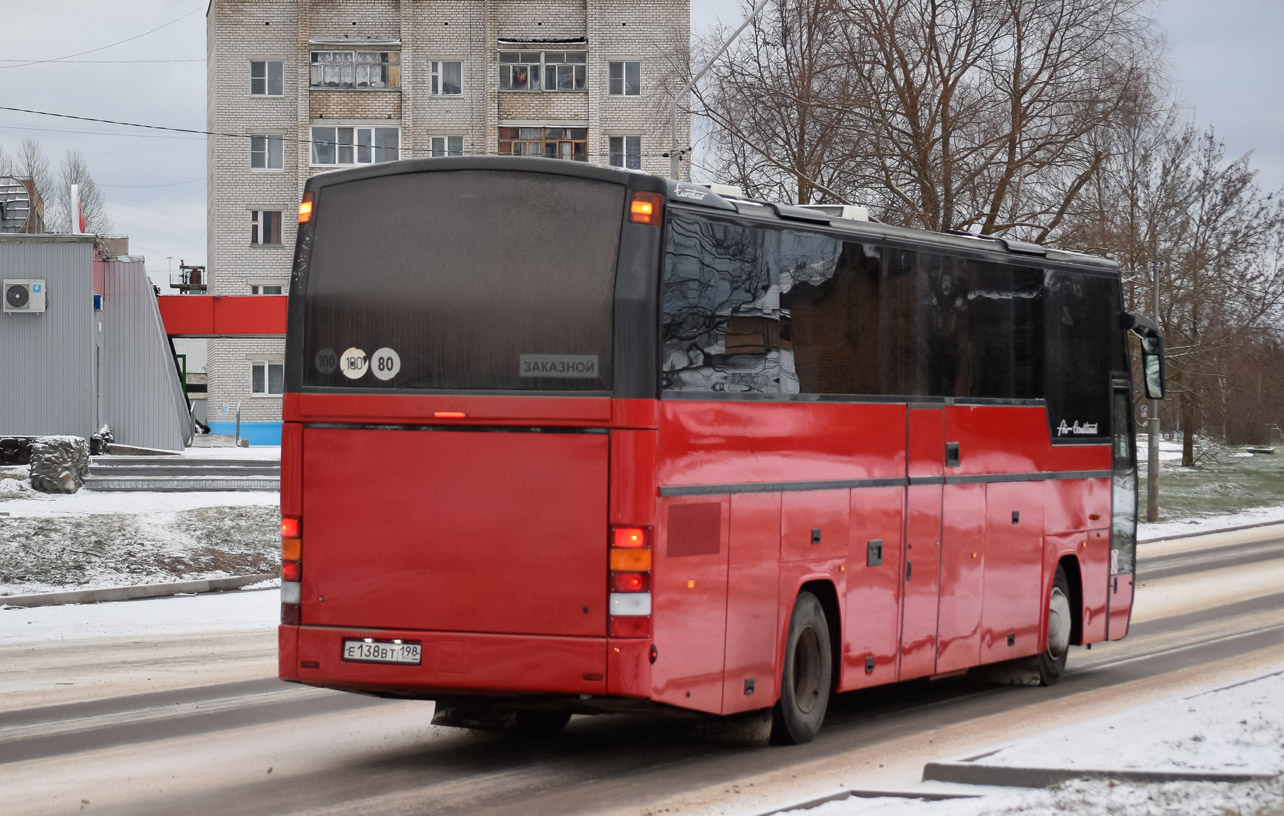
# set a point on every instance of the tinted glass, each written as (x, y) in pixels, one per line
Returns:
(928, 351)
(473, 280)
(1004, 335)
(764, 311)
(1123, 528)
(1082, 327)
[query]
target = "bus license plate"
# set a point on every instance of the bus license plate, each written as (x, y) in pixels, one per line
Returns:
(382, 651)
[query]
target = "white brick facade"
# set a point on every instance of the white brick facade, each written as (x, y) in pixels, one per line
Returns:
(239, 32)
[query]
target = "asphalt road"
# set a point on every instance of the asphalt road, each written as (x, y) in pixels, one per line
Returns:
(147, 727)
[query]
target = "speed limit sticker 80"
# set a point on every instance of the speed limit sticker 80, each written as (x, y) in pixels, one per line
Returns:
(385, 363)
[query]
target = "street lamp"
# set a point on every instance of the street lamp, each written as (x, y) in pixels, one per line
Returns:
(673, 108)
(1152, 425)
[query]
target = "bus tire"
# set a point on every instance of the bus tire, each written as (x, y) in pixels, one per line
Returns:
(541, 723)
(806, 677)
(1060, 620)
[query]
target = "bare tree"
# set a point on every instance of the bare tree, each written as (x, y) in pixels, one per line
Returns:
(32, 164)
(75, 170)
(971, 114)
(1168, 201)
(778, 104)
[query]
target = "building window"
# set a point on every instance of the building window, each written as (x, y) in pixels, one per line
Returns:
(267, 78)
(267, 152)
(558, 70)
(626, 151)
(340, 146)
(447, 78)
(626, 79)
(447, 146)
(267, 288)
(356, 69)
(267, 378)
(265, 226)
(549, 142)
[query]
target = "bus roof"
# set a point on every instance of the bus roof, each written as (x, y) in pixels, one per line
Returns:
(700, 196)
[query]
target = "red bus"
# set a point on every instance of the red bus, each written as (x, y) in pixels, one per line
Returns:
(566, 439)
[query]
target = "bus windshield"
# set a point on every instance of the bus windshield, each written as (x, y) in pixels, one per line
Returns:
(461, 281)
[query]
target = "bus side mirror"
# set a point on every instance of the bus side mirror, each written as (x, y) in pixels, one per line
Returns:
(1152, 352)
(1152, 365)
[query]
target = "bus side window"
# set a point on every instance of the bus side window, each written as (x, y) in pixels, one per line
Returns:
(835, 319)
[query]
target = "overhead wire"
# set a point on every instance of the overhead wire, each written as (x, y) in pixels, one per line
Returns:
(284, 138)
(104, 47)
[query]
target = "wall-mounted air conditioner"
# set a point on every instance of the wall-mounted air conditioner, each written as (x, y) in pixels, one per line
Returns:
(24, 296)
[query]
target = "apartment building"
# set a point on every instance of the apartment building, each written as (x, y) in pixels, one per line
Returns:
(298, 87)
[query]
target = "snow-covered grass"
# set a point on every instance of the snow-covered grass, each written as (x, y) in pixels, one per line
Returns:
(1222, 481)
(92, 540)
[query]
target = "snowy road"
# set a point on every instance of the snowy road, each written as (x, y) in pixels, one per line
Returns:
(132, 722)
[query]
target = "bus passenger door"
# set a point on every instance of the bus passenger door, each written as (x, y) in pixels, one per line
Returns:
(922, 558)
(1123, 515)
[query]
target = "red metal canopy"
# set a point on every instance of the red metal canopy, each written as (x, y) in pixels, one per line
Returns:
(223, 315)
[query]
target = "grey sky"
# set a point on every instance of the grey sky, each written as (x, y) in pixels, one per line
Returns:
(1226, 62)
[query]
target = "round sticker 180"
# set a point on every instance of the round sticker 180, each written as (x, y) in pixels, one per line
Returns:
(385, 363)
(353, 363)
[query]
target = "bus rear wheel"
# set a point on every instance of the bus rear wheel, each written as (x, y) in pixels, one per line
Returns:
(807, 675)
(1052, 661)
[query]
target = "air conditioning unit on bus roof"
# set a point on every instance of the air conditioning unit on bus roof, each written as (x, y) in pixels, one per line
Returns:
(724, 190)
(852, 212)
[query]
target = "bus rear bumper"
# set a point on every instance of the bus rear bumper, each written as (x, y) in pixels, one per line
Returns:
(460, 663)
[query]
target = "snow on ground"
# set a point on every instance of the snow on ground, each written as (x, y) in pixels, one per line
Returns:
(1238, 729)
(253, 452)
(18, 500)
(1085, 797)
(182, 615)
(1148, 531)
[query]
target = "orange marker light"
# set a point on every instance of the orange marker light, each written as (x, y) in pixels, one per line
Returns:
(291, 549)
(305, 208)
(630, 560)
(449, 414)
(645, 208)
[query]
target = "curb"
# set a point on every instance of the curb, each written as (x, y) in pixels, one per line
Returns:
(131, 593)
(838, 796)
(1278, 522)
(967, 773)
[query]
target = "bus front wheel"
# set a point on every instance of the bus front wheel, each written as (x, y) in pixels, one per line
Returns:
(1052, 661)
(806, 677)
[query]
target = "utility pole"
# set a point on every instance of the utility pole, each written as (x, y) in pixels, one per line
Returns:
(1152, 426)
(673, 108)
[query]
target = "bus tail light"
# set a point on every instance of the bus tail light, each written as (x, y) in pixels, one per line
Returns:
(630, 582)
(646, 208)
(291, 571)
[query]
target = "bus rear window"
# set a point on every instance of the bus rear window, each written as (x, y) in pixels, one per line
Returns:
(462, 281)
